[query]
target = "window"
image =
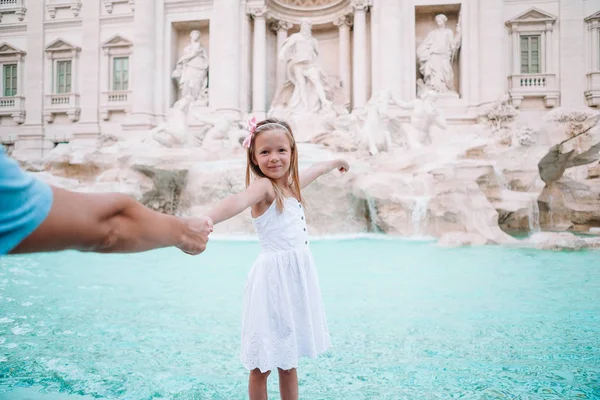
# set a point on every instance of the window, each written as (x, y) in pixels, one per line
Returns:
(10, 80)
(530, 54)
(120, 73)
(63, 77)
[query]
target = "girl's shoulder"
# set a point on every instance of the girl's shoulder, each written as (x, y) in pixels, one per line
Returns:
(268, 195)
(265, 184)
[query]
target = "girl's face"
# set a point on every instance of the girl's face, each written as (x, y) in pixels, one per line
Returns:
(272, 153)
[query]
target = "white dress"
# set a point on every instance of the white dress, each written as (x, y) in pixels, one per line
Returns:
(283, 310)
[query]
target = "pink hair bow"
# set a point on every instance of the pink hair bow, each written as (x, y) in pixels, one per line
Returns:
(251, 128)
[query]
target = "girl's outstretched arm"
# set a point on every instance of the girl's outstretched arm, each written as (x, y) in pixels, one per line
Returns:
(234, 204)
(316, 170)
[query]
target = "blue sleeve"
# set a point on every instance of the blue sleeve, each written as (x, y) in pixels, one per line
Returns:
(24, 203)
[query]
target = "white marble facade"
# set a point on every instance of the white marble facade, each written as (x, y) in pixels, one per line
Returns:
(74, 69)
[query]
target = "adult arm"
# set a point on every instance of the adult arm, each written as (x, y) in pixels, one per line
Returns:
(112, 223)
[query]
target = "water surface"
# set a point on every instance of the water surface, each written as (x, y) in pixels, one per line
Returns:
(409, 320)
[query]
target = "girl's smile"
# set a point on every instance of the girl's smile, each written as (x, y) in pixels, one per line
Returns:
(272, 154)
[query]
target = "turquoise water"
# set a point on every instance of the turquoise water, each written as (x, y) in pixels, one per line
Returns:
(409, 320)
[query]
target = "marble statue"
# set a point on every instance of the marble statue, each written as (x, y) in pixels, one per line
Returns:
(375, 134)
(191, 71)
(436, 55)
(175, 132)
(172, 133)
(425, 115)
(306, 85)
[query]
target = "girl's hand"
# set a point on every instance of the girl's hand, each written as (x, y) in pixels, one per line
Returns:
(342, 166)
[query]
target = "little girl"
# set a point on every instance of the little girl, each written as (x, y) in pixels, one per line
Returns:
(283, 311)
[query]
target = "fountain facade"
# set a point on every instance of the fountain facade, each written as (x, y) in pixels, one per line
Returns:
(448, 135)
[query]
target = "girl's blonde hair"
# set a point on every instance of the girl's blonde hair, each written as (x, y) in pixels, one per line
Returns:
(253, 170)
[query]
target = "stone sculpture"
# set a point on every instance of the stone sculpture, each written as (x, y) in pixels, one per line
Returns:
(175, 132)
(436, 55)
(172, 133)
(191, 72)
(306, 87)
(425, 115)
(375, 134)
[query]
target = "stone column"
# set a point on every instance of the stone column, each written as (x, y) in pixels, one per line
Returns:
(374, 44)
(549, 48)
(281, 28)
(142, 70)
(515, 53)
(225, 57)
(245, 60)
(345, 62)
(572, 80)
(390, 42)
(359, 81)
(259, 62)
(30, 141)
(544, 58)
(492, 30)
(594, 50)
(88, 129)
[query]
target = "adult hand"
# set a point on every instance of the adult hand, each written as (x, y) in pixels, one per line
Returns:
(195, 235)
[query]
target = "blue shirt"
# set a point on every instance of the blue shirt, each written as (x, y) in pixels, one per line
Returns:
(24, 203)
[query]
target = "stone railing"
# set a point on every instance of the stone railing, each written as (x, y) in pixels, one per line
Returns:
(13, 6)
(534, 85)
(14, 107)
(114, 101)
(67, 103)
(10, 3)
(592, 93)
(533, 81)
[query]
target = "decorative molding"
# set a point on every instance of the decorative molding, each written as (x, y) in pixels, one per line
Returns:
(112, 101)
(320, 12)
(61, 46)
(63, 23)
(17, 8)
(109, 4)
(116, 19)
(14, 107)
(116, 42)
(20, 27)
(594, 17)
(593, 21)
(361, 5)
(67, 103)
(532, 17)
(8, 51)
(74, 5)
(534, 85)
(311, 5)
(343, 20)
(258, 12)
(281, 25)
(592, 94)
(188, 6)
